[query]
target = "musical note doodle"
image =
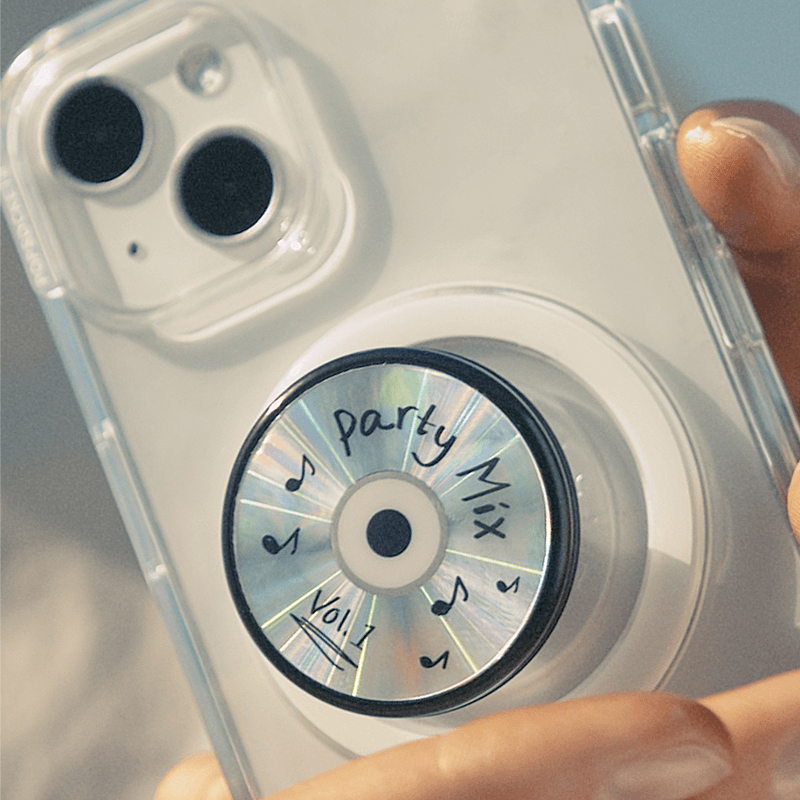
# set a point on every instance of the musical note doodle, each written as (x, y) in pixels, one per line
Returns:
(293, 484)
(270, 543)
(440, 608)
(505, 587)
(428, 663)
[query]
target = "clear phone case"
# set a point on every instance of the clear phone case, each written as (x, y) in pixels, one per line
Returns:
(450, 294)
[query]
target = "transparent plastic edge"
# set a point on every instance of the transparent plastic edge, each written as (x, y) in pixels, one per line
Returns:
(143, 535)
(711, 270)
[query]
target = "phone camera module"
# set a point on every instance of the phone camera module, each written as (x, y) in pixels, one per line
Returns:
(226, 185)
(97, 132)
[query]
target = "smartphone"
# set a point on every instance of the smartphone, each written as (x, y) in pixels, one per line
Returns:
(423, 388)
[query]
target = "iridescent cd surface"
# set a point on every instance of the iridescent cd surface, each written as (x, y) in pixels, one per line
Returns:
(400, 532)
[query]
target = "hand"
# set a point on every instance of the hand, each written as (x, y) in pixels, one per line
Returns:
(740, 745)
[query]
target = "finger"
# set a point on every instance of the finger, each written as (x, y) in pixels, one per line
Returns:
(195, 778)
(794, 503)
(741, 161)
(764, 721)
(654, 746)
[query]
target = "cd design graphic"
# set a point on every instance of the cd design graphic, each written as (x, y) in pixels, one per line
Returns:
(400, 532)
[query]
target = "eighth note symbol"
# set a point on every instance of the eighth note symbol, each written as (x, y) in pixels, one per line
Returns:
(293, 484)
(427, 662)
(270, 543)
(440, 607)
(504, 587)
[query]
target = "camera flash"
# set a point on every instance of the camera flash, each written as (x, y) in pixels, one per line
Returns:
(203, 71)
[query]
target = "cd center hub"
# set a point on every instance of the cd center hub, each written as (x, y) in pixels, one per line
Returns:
(389, 533)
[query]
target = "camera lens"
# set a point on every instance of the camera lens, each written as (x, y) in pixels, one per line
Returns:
(97, 132)
(226, 185)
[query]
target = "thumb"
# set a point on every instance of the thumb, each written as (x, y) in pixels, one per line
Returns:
(635, 746)
(195, 778)
(764, 722)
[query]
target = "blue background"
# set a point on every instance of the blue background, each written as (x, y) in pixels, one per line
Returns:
(707, 50)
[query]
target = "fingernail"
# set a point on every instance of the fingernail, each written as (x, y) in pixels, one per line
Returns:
(674, 774)
(783, 157)
(786, 776)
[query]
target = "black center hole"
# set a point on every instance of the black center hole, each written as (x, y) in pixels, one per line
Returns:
(388, 533)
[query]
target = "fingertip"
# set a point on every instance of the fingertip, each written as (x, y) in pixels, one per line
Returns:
(683, 720)
(793, 502)
(197, 777)
(631, 745)
(741, 161)
(634, 745)
(764, 721)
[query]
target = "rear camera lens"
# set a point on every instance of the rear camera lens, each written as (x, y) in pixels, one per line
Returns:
(97, 132)
(226, 185)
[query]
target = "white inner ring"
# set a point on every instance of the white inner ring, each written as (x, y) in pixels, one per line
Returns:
(418, 561)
